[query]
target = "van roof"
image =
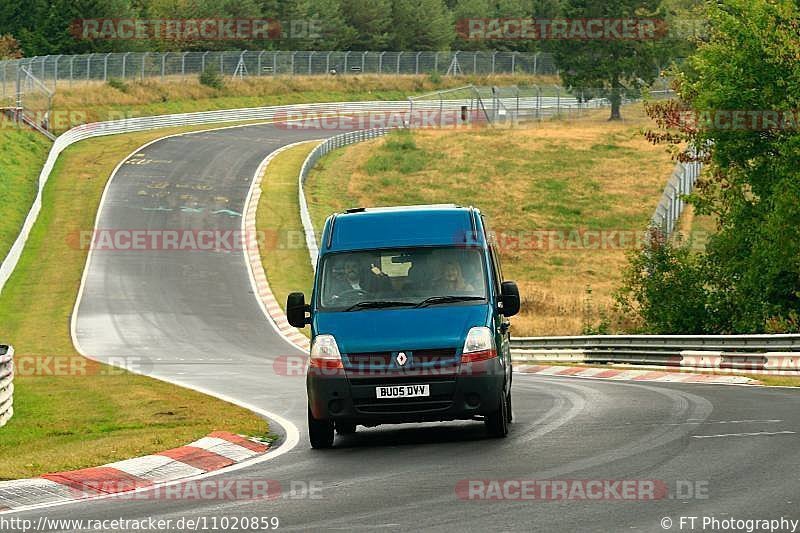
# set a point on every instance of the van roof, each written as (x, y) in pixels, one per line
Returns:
(401, 226)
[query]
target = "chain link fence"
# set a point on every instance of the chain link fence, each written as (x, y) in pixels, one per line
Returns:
(72, 69)
(672, 202)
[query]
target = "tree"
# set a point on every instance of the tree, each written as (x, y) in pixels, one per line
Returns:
(422, 25)
(463, 11)
(370, 21)
(611, 67)
(751, 184)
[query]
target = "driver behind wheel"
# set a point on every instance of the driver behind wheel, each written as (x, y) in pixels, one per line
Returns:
(357, 279)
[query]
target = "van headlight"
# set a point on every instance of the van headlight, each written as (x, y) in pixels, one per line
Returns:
(479, 345)
(325, 352)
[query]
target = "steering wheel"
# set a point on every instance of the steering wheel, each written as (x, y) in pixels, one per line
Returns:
(351, 293)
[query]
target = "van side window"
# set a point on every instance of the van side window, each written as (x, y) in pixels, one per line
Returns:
(497, 273)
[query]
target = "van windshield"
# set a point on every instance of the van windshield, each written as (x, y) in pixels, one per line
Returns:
(407, 277)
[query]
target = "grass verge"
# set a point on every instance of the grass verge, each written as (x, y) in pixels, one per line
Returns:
(94, 101)
(570, 197)
(284, 254)
(22, 155)
(70, 412)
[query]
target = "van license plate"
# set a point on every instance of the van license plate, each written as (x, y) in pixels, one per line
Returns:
(403, 391)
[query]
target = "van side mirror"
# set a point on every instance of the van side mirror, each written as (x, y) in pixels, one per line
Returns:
(510, 298)
(296, 309)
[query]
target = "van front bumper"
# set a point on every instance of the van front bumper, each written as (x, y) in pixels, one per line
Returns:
(456, 393)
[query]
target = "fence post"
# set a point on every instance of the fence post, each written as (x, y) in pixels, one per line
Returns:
(380, 63)
(293, 54)
(88, 65)
(124, 62)
(261, 53)
(513, 62)
(71, 69)
(398, 61)
(55, 72)
(105, 67)
(310, 55)
(144, 60)
(345, 62)
(363, 62)
(163, 64)
(416, 63)
(183, 65)
(436, 62)
(558, 101)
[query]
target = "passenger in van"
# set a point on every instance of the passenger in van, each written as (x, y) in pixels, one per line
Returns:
(451, 279)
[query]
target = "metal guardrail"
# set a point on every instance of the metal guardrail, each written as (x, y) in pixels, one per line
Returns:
(99, 129)
(745, 352)
(131, 125)
(323, 148)
(6, 383)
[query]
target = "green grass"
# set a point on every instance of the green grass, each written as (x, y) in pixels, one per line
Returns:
(580, 175)
(22, 154)
(284, 256)
(81, 419)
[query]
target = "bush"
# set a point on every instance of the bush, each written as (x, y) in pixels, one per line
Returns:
(211, 77)
(118, 84)
(435, 78)
(663, 288)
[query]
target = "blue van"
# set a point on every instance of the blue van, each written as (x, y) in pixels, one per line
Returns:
(409, 322)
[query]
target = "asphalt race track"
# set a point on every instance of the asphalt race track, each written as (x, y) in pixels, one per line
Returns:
(192, 318)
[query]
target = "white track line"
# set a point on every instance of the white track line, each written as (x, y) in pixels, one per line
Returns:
(292, 433)
(744, 434)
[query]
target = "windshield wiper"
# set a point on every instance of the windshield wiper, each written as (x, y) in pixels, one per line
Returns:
(378, 304)
(433, 300)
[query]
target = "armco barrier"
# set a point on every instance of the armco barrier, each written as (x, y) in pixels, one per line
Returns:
(6, 383)
(774, 353)
(99, 129)
(131, 125)
(323, 148)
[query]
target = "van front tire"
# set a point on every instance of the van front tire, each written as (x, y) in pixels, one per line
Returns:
(320, 432)
(497, 422)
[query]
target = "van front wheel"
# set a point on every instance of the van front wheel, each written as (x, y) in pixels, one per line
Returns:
(497, 422)
(320, 432)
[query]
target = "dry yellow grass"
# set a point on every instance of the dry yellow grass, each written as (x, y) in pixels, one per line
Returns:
(572, 177)
(94, 101)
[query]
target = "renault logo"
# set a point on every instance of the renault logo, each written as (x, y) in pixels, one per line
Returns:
(401, 358)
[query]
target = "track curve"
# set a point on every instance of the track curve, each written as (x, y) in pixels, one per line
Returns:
(194, 319)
